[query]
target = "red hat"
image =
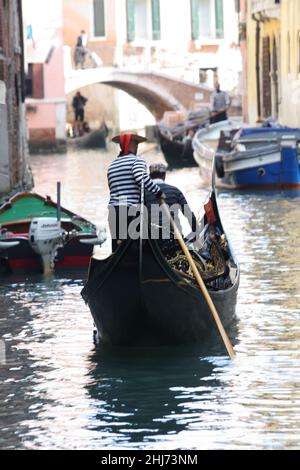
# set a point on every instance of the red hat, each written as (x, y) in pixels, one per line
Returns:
(124, 140)
(133, 136)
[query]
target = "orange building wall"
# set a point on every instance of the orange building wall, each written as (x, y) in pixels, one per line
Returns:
(78, 16)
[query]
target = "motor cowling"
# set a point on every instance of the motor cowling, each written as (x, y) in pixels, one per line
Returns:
(45, 238)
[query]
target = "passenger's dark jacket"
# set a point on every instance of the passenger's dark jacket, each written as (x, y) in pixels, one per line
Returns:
(176, 201)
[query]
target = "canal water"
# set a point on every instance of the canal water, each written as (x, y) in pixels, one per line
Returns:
(59, 391)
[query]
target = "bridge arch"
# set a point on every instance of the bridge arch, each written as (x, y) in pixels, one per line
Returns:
(157, 92)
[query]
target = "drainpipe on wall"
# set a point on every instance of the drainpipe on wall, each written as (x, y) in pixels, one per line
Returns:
(257, 20)
(21, 29)
(26, 177)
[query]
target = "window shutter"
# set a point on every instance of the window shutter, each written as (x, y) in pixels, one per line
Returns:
(28, 82)
(156, 20)
(219, 19)
(195, 19)
(99, 18)
(38, 81)
(130, 20)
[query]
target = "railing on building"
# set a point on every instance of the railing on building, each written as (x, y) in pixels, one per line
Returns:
(270, 8)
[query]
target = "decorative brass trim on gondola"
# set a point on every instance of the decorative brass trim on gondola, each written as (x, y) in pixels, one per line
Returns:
(208, 269)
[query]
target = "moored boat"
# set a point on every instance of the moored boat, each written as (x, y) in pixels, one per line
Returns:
(150, 296)
(36, 238)
(176, 142)
(177, 153)
(252, 158)
(94, 139)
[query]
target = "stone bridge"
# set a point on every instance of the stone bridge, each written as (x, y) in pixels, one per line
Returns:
(157, 92)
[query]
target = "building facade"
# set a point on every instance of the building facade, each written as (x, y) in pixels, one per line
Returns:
(181, 36)
(273, 60)
(45, 85)
(290, 63)
(194, 40)
(263, 58)
(14, 162)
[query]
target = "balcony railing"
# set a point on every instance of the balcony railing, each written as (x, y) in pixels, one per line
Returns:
(269, 8)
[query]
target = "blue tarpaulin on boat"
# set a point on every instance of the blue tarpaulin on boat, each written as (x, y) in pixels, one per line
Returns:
(269, 130)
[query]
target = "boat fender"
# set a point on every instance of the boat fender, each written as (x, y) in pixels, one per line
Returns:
(7, 245)
(219, 166)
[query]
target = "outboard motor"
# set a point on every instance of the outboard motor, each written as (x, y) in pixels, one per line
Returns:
(45, 238)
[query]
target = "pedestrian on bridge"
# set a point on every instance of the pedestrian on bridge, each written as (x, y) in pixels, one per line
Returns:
(81, 50)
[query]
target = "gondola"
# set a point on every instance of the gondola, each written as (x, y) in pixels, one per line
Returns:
(177, 153)
(95, 139)
(175, 145)
(149, 296)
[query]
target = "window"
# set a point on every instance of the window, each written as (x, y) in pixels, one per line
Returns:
(219, 18)
(275, 99)
(207, 19)
(28, 82)
(99, 18)
(289, 53)
(205, 15)
(299, 52)
(34, 81)
(143, 20)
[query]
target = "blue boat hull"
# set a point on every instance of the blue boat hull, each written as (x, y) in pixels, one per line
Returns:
(283, 174)
(275, 165)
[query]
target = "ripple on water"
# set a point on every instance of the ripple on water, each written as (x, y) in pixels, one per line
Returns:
(58, 391)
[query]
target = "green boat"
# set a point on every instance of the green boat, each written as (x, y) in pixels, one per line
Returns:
(36, 234)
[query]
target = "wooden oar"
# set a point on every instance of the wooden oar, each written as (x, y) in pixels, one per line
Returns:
(142, 226)
(200, 282)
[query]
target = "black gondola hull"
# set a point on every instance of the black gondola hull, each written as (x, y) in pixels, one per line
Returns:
(177, 154)
(156, 307)
(178, 308)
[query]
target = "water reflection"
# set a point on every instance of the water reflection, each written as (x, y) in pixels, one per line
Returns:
(265, 231)
(139, 395)
(59, 391)
(17, 376)
(37, 341)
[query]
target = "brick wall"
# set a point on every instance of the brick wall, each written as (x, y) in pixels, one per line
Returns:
(3, 36)
(11, 72)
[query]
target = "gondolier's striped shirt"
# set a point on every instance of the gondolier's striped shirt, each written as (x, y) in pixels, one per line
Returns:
(125, 175)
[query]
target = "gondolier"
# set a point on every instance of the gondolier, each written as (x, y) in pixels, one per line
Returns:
(125, 177)
(78, 105)
(220, 103)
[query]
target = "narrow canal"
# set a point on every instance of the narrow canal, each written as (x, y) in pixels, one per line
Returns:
(60, 392)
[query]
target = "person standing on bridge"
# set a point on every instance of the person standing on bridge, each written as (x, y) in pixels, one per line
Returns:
(81, 49)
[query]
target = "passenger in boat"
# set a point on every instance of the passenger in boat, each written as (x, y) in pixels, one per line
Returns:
(220, 103)
(125, 177)
(176, 202)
